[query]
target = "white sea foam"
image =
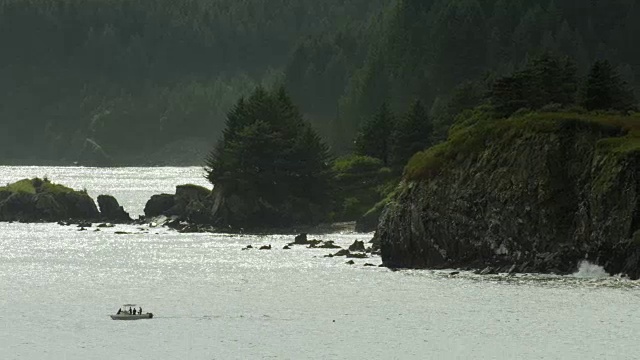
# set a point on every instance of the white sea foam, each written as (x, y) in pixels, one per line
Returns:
(589, 270)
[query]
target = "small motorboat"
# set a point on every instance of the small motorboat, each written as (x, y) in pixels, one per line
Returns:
(126, 312)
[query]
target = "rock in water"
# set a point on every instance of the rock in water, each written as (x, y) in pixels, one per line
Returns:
(357, 246)
(301, 240)
(343, 252)
(329, 245)
(191, 203)
(111, 210)
(32, 200)
(159, 205)
(538, 190)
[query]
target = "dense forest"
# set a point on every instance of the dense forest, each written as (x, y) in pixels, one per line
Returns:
(129, 78)
(124, 77)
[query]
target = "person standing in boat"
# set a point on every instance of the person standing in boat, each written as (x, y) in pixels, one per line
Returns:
(140, 311)
(130, 310)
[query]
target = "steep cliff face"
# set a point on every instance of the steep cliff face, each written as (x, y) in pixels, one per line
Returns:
(535, 194)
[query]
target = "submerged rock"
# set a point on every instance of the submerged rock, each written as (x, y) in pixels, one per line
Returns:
(343, 252)
(265, 247)
(329, 245)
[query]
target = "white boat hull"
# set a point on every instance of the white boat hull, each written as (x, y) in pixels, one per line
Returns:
(124, 316)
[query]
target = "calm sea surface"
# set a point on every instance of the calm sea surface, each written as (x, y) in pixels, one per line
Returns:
(211, 300)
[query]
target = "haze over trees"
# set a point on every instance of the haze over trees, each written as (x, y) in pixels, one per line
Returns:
(131, 77)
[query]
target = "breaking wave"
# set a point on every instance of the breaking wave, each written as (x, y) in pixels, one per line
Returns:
(589, 270)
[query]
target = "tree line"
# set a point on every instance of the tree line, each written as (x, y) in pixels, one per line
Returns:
(133, 76)
(447, 53)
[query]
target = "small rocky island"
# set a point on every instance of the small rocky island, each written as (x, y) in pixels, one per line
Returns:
(533, 193)
(40, 200)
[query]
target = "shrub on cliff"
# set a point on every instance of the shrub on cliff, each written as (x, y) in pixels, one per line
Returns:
(270, 167)
(357, 185)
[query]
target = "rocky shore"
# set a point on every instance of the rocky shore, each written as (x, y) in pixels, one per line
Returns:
(39, 200)
(537, 194)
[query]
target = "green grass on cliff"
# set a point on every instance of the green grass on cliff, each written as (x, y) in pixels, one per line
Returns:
(36, 185)
(476, 129)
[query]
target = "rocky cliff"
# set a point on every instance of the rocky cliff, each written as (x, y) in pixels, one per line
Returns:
(538, 193)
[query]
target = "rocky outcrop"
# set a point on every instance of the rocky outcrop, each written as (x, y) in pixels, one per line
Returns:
(525, 195)
(39, 200)
(110, 210)
(191, 203)
(357, 246)
(159, 205)
(301, 240)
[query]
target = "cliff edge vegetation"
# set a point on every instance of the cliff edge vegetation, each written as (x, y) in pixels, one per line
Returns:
(40, 200)
(535, 192)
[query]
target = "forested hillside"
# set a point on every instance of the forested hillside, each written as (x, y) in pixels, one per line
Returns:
(124, 78)
(446, 53)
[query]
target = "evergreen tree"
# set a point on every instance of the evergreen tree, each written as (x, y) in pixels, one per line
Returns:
(604, 90)
(413, 133)
(375, 135)
(270, 157)
(545, 80)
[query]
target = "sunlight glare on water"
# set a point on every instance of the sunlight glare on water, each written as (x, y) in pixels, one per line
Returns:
(212, 300)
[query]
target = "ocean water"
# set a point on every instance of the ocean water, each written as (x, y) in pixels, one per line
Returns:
(212, 300)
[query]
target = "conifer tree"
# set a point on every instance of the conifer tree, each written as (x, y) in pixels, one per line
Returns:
(604, 90)
(374, 138)
(546, 79)
(413, 133)
(271, 158)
